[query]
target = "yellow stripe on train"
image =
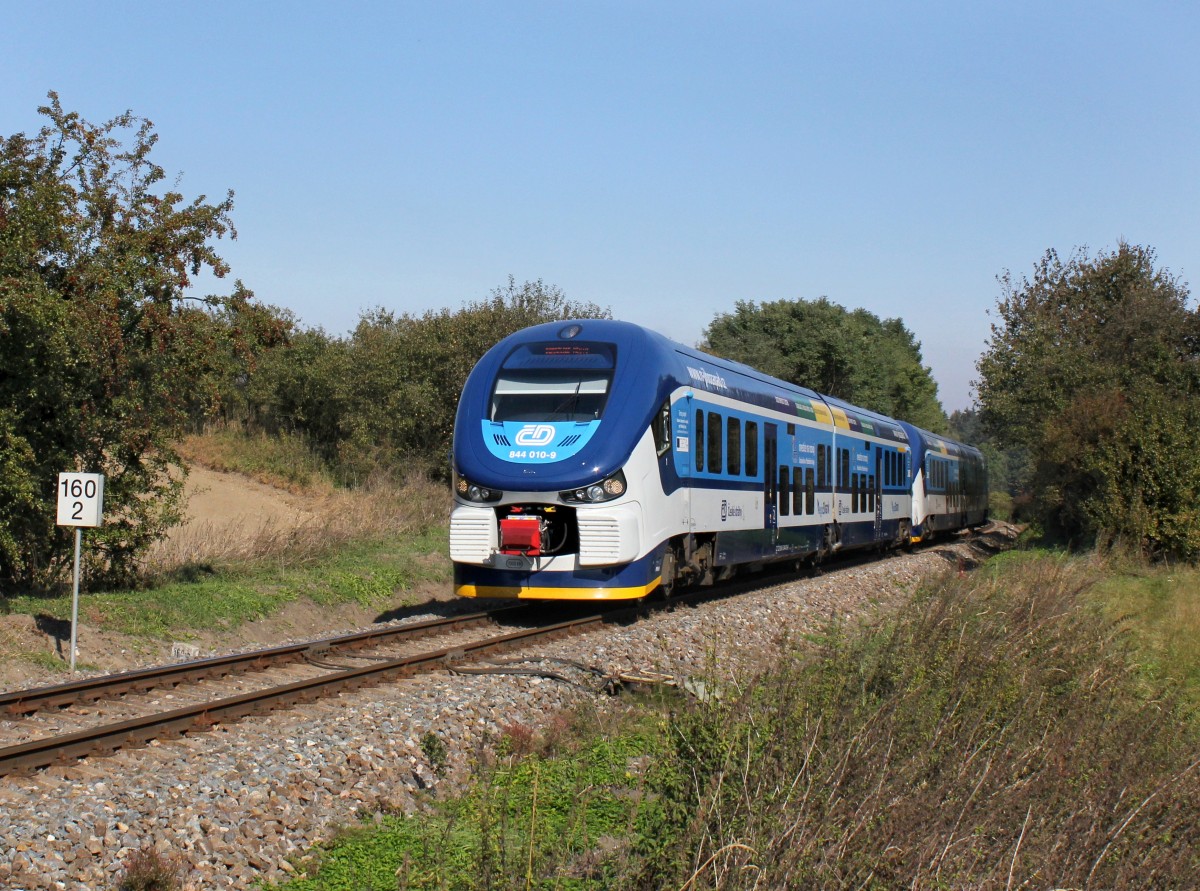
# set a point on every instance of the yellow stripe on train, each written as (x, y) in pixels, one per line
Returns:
(531, 593)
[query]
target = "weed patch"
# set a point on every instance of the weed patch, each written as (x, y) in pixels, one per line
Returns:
(148, 870)
(531, 821)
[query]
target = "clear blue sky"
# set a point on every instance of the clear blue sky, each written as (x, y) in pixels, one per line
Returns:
(664, 159)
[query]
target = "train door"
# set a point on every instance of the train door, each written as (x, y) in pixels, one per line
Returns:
(877, 492)
(770, 480)
(688, 438)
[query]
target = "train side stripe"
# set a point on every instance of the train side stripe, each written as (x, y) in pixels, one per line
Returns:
(536, 593)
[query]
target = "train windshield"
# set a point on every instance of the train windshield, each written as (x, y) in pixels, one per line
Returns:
(550, 395)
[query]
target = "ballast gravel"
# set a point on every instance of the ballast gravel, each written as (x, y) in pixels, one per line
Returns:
(244, 802)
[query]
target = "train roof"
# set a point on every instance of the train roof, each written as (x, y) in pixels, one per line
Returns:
(648, 367)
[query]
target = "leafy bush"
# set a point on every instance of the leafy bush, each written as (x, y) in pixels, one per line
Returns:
(102, 356)
(385, 397)
(1092, 373)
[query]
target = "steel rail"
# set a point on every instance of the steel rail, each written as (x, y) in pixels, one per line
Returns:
(26, 702)
(48, 751)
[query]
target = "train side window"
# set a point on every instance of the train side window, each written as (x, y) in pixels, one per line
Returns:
(810, 494)
(714, 442)
(785, 492)
(662, 429)
(821, 465)
(844, 470)
(698, 440)
(752, 448)
(733, 442)
(871, 492)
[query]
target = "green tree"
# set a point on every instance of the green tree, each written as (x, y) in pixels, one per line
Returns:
(385, 397)
(818, 344)
(99, 362)
(1092, 370)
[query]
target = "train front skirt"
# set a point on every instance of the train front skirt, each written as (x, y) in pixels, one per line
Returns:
(625, 582)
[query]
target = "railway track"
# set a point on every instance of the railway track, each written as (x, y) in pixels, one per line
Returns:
(82, 724)
(44, 741)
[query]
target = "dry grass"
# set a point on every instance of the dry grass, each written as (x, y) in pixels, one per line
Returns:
(337, 518)
(998, 735)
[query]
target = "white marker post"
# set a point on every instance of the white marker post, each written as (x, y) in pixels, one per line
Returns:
(80, 503)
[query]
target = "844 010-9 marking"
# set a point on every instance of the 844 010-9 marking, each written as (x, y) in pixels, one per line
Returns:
(532, 455)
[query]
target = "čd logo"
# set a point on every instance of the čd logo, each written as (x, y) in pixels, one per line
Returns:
(535, 435)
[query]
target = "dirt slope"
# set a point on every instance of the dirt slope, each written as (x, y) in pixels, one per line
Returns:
(227, 500)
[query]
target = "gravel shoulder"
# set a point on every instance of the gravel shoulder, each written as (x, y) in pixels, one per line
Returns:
(240, 804)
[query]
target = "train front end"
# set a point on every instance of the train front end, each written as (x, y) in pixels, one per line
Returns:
(549, 462)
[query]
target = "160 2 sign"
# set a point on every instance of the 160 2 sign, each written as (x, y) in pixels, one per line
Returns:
(80, 499)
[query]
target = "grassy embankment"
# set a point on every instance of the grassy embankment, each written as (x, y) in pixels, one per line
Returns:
(1031, 725)
(366, 546)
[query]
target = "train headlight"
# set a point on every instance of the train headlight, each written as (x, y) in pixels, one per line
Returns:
(605, 490)
(473, 492)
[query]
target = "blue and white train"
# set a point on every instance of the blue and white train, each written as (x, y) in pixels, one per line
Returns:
(599, 460)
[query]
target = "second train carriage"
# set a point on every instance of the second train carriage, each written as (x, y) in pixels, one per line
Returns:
(599, 460)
